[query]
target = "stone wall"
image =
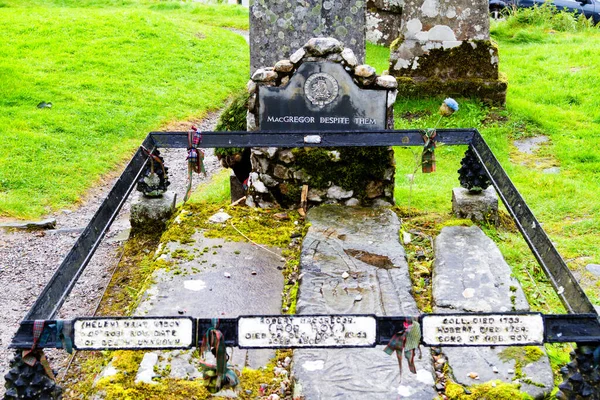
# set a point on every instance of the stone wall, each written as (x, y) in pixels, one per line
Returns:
(348, 175)
(445, 49)
(278, 27)
(383, 21)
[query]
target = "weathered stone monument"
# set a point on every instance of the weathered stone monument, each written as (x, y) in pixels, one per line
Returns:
(383, 21)
(445, 48)
(321, 88)
(278, 28)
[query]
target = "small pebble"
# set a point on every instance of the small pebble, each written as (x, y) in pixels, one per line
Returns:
(227, 275)
(495, 369)
(253, 272)
(510, 371)
(358, 298)
(345, 275)
(473, 375)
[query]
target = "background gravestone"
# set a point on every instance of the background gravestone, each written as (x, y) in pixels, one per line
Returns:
(445, 49)
(383, 21)
(277, 28)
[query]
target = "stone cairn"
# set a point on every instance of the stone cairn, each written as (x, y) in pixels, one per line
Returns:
(279, 175)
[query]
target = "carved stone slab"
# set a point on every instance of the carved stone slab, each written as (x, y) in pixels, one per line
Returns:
(353, 263)
(321, 96)
(470, 275)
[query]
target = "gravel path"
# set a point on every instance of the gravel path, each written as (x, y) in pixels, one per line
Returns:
(28, 259)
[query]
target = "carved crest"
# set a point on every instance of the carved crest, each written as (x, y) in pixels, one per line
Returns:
(321, 89)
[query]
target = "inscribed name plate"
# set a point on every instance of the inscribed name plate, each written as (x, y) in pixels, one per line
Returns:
(307, 331)
(483, 329)
(321, 96)
(133, 333)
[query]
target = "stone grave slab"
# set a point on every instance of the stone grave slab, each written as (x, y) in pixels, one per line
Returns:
(471, 275)
(352, 262)
(219, 285)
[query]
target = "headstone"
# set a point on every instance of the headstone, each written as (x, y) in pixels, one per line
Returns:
(321, 88)
(470, 275)
(445, 49)
(353, 263)
(383, 21)
(278, 28)
(478, 207)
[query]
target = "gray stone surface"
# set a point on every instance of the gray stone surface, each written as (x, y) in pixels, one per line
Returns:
(594, 269)
(151, 213)
(470, 275)
(383, 21)
(347, 253)
(202, 289)
(481, 207)
(49, 223)
(278, 28)
(530, 145)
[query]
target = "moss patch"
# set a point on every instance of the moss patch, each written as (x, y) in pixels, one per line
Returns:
(494, 390)
(356, 166)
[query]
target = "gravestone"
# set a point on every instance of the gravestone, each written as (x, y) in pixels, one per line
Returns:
(321, 88)
(384, 19)
(277, 28)
(445, 49)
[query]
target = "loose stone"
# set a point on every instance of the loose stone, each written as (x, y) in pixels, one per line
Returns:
(297, 56)
(349, 57)
(322, 46)
(219, 218)
(345, 275)
(336, 192)
(386, 81)
(264, 75)
(284, 66)
(364, 71)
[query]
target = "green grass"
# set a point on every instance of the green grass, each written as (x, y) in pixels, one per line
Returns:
(113, 73)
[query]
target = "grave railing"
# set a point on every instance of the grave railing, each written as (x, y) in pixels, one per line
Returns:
(580, 325)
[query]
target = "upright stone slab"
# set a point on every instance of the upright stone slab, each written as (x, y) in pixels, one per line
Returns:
(321, 88)
(278, 28)
(353, 263)
(384, 19)
(445, 49)
(470, 275)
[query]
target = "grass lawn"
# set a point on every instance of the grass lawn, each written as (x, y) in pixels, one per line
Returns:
(113, 71)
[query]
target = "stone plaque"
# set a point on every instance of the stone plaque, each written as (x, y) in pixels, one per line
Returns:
(483, 329)
(133, 333)
(307, 331)
(278, 28)
(321, 96)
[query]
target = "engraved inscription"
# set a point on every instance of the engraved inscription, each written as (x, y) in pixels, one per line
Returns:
(143, 333)
(321, 89)
(475, 330)
(307, 331)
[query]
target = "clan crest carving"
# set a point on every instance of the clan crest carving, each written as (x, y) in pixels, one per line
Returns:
(321, 89)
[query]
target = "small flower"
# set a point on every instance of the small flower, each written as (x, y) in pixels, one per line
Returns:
(448, 107)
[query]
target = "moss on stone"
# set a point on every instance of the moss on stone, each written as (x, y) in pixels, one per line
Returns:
(524, 355)
(493, 390)
(356, 167)
(472, 59)
(489, 91)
